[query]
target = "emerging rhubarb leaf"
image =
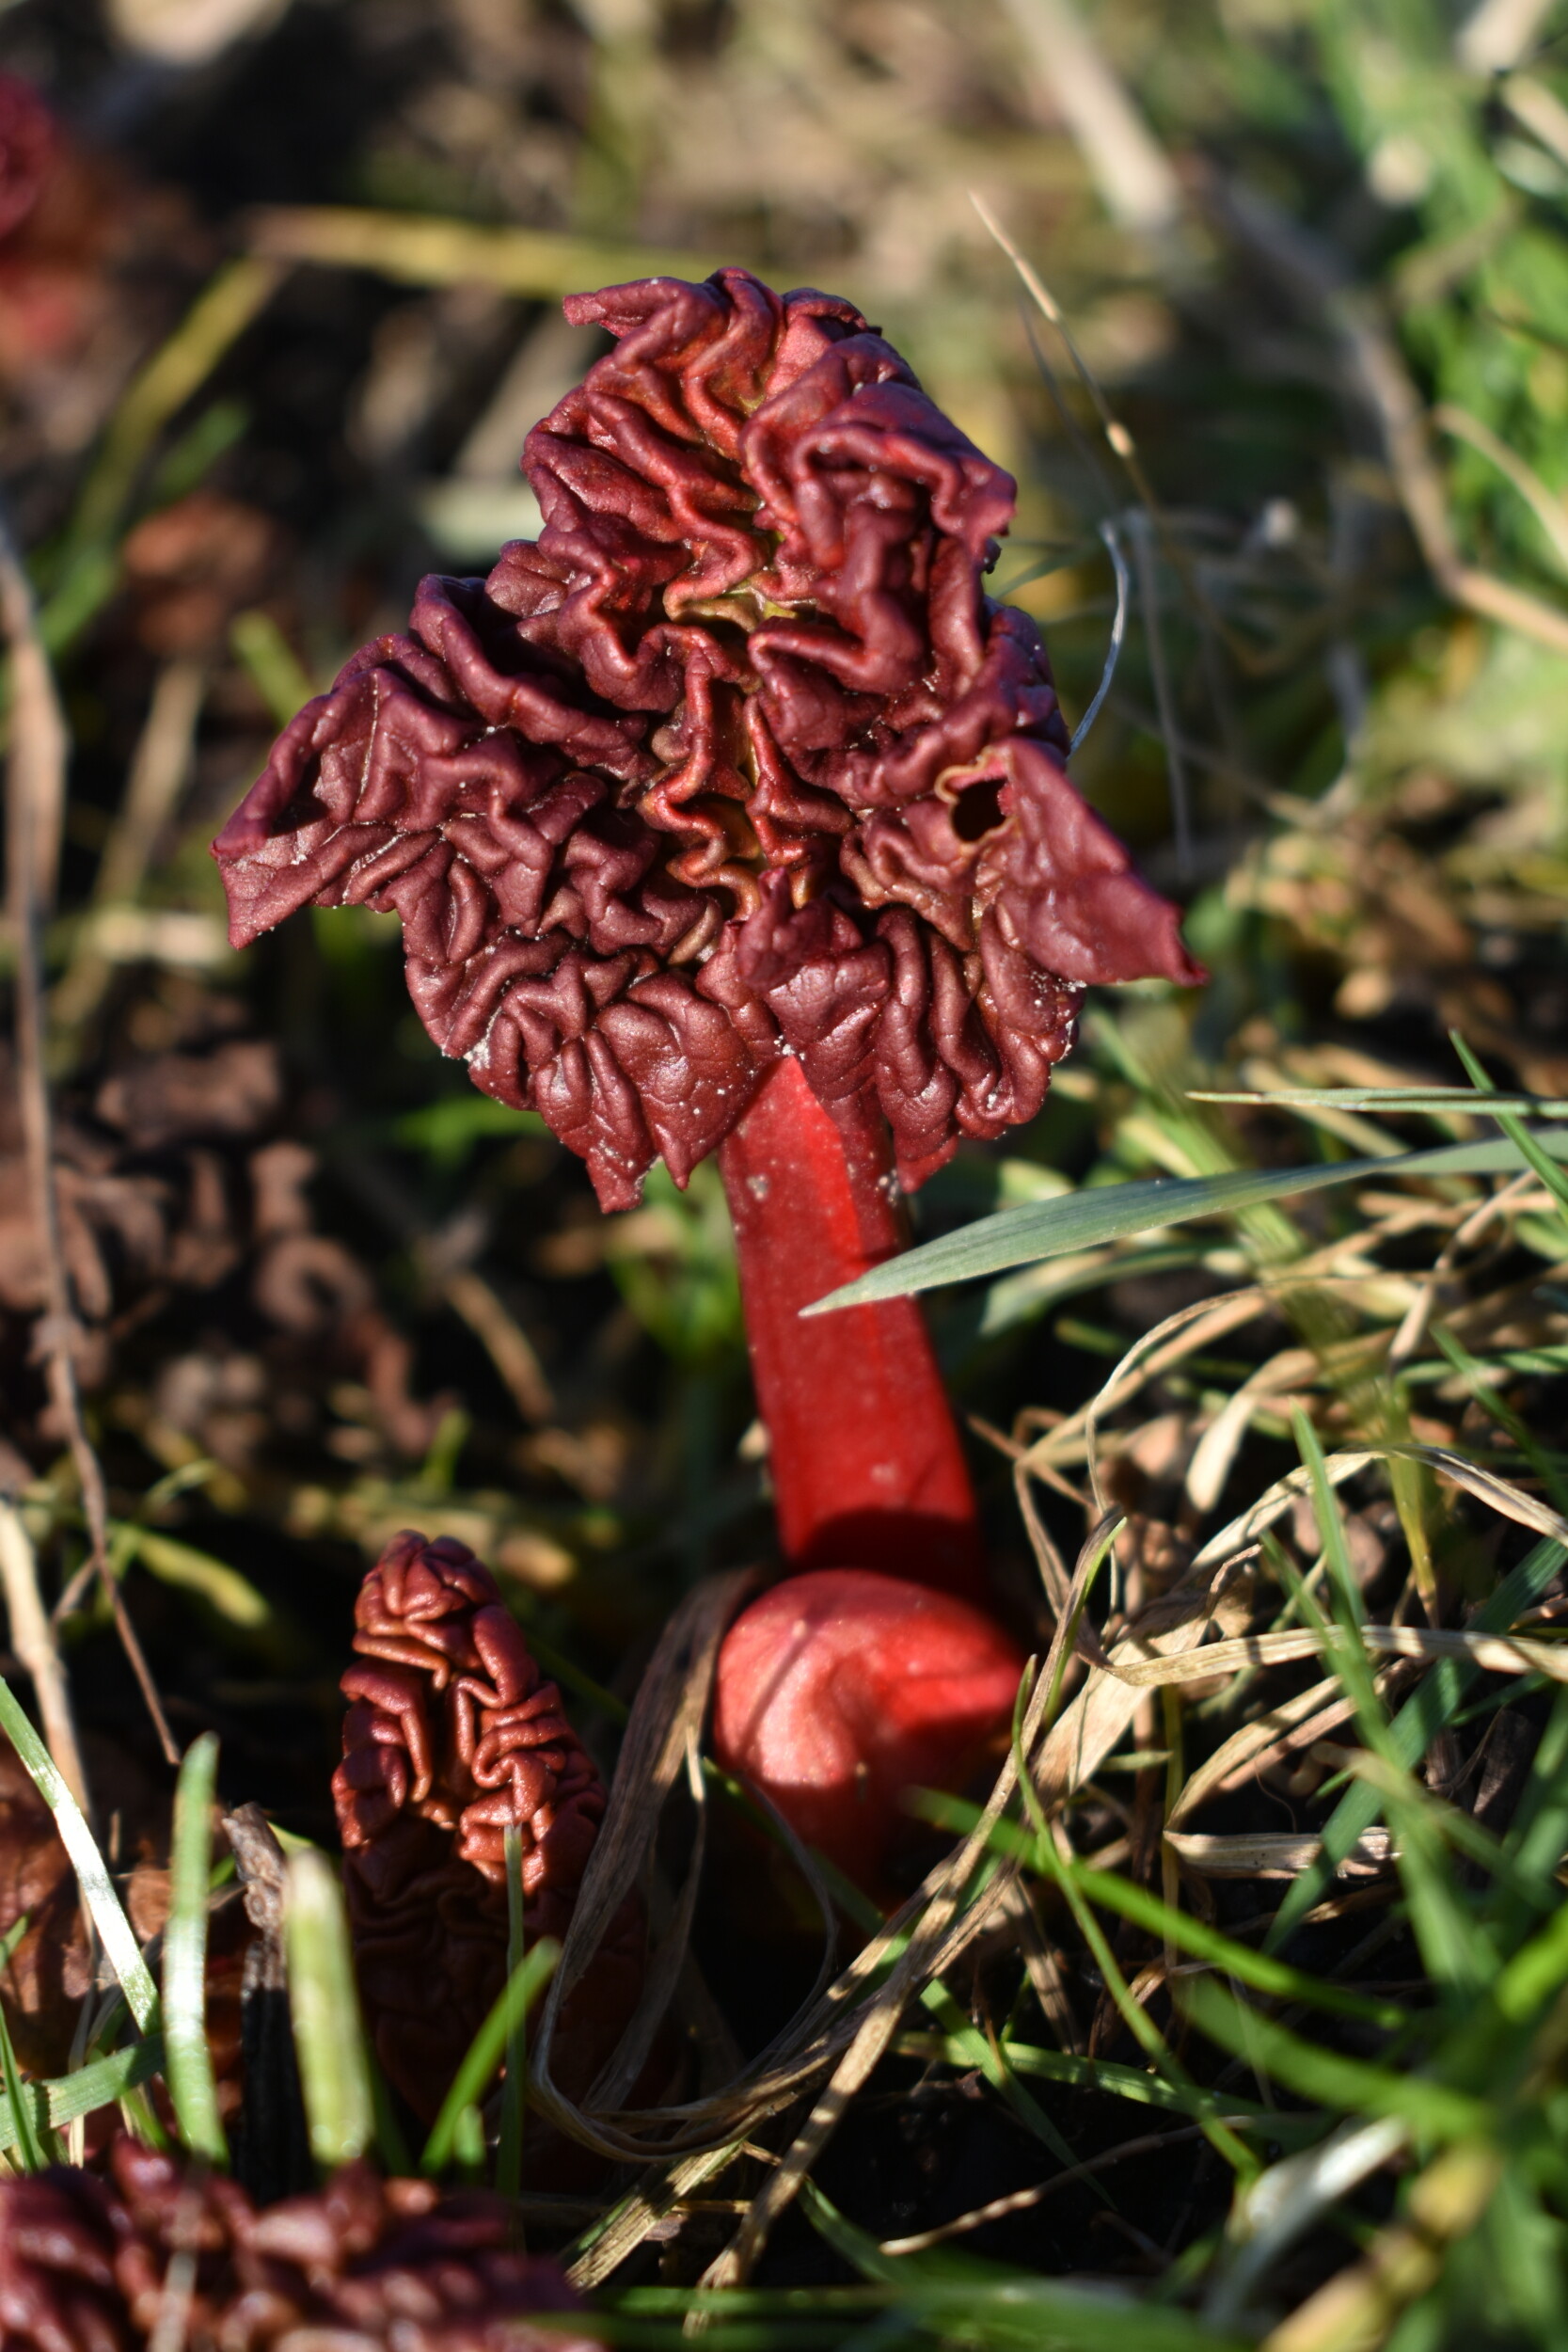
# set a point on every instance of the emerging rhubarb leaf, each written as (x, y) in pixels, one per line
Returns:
(451, 1738)
(738, 761)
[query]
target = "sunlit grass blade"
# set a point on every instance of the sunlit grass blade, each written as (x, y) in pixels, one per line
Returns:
(221, 313)
(1118, 638)
(1290, 2198)
(328, 2035)
(1444, 2208)
(486, 2050)
(1080, 1220)
(192, 2085)
(1331, 1535)
(435, 249)
(1451, 1825)
(974, 2050)
(1413, 1099)
(114, 1928)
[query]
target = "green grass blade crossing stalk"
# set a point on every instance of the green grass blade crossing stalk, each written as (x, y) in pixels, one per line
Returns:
(509, 2152)
(1080, 1220)
(486, 2052)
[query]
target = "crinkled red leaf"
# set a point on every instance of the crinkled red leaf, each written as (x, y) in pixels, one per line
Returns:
(739, 759)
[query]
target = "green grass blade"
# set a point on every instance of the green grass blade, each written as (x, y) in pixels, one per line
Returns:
(1536, 1973)
(1538, 1835)
(230, 1595)
(1525, 2243)
(160, 388)
(25, 2102)
(272, 664)
(114, 1928)
(1136, 2018)
(1147, 1911)
(1411, 1100)
(328, 2036)
(1132, 2083)
(1412, 1732)
(390, 2145)
(1258, 1969)
(140, 2118)
(1080, 1220)
(1514, 1128)
(509, 2151)
(486, 2050)
(1451, 1947)
(957, 2298)
(973, 2049)
(192, 2085)
(1349, 2086)
(1331, 1535)
(100, 2085)
(1472, 1372)
(990, 2060)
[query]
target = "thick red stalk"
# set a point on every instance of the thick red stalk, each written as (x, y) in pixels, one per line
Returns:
(868, 1470)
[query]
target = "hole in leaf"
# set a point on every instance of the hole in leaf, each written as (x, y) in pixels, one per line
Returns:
(978, 809)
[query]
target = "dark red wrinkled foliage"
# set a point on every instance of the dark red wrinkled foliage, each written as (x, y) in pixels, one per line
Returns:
(450, 1739)
(737, 760)
(839, 1691)
(365, 2266)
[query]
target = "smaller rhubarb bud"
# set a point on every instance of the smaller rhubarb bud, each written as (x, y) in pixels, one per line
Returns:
(453, 1736)
(840, 1691)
